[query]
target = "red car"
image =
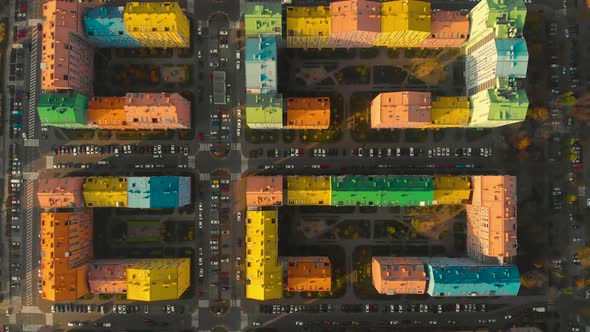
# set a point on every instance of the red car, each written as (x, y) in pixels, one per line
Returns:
(201, 136)
(324, 166)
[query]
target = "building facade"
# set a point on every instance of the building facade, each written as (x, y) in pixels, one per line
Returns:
(109, 276)
(63, 110)
(308, 113)
(264, 191)
(309, 274)
(157, 24)
(491, 219)
(66, 248)
(354, 23)
(67, 60)
(105, 27)
(60, 193)
(264, 111)
(450, 277)
(405, 109)
(158, 279)
(398, 275)
(264, 273)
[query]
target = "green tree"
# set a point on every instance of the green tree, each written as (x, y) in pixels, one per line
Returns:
(567, 99)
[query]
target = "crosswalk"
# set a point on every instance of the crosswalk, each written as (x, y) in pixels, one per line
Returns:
(33, 83)
(204, 176)
(203, 303)
(204, 147)
(191, 161)
(235, 303)
(236, 146)
(29, 204)
(236, 176)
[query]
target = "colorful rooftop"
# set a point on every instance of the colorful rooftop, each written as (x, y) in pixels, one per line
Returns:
(309, 190)
(107, 112)
(503, 104)
(398, 275)
(109, 276)
(308, 27)
(404, 23)
(264, 111)
(451, 189)
(58, 193)
(465, 277)
(264, 191)
(447, 29)
(404, 109)
(157, 24)
(309, 274)
(450, 112)
(162, 110)
(105, 26)
(105, 191)
(308, 113)
(66, 248)
(158, 279)
(261, 64)
(65, 110)
(264, 274)
(513, 58)
(263, 18)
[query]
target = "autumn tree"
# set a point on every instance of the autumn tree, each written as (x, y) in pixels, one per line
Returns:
(539, 113)
(519, 141)
(567, 99)
(584, 256)
(533, 279)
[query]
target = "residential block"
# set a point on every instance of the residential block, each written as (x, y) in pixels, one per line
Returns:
(107, 113)
(263, 18)
(261, 64)
(63, 110)
(354, 23)
(309, 274)
(264, 273)
(158, 279)
(157, 24)
(451, 189)
(309, 190)
(398, 275)
(107, 191)
(405, 109)
(446, 112)
(501, 105)
(404, 23)
(105, 26)
(157, 111)
(448, 29)
(66, 247)
(264, 111)
(60, 193)
(264, 191)
(308, 113)
(109, 276)
(308, 27)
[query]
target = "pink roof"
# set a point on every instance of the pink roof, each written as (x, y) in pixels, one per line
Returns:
(398, 275)
(55, 193)
(264, 190)
(159, 110)
(447, 29)
(109, 275)
(492, 215)
(405, 109)
(355, 15)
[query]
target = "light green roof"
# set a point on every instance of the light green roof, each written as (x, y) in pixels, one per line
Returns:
(264, 111)
(507, 16)
(507, 101)
(262, 18)
(66, 110)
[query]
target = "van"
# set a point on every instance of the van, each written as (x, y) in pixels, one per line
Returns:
(103, 162)
(15, 278)
(539, 309)
(116, 152)
(16, 180)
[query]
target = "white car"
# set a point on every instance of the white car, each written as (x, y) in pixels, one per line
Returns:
(299, 323)
(223, 33)
(237, 64)
(223, 46)
(214, 222)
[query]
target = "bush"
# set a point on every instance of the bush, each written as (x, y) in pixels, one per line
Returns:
(105, 297)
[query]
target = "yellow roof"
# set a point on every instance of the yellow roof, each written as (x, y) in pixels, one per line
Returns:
(105, 191)
(451, 189)
(158, 279)
(309, 190)
(264, 275)
(308, 21)
(450, 112)
(405, 15)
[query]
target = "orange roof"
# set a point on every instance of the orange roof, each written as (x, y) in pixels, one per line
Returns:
(107, 112)
(491, 216)
(398, 275)
(309, 274)
(308, 113)
(109, 275)
(264, 190)
(449, 25)
(355, 15)
(66, 248)
(55, 193)
(404, 109)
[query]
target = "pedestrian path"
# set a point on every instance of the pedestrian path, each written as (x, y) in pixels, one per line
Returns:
(191, 161)
(236, 176)
(29, 205)
(204, 147)
(203, 303)
(33, 85)
(235, 302)
(236, 146)
(204, 176)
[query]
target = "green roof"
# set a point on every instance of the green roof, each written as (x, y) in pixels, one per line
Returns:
(263, 18)
(65, 110)
(507, 16)
(377, 190)
(264, 111)
(508, 102)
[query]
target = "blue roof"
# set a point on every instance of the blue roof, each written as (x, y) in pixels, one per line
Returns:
(263, 48)
(164, 192)
(106, 27)
(465, 277)
(138, 192)
(513, 57)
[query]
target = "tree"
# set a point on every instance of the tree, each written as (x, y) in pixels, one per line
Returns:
(539, 113)
(533, 279)
(584, 256)
(567, 99)
(519, 141)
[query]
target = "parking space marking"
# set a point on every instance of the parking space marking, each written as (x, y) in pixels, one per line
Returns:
(204, 176)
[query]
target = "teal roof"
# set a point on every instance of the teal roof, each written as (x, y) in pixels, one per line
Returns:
(513, 58)
(465, 277)
(261, 64)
